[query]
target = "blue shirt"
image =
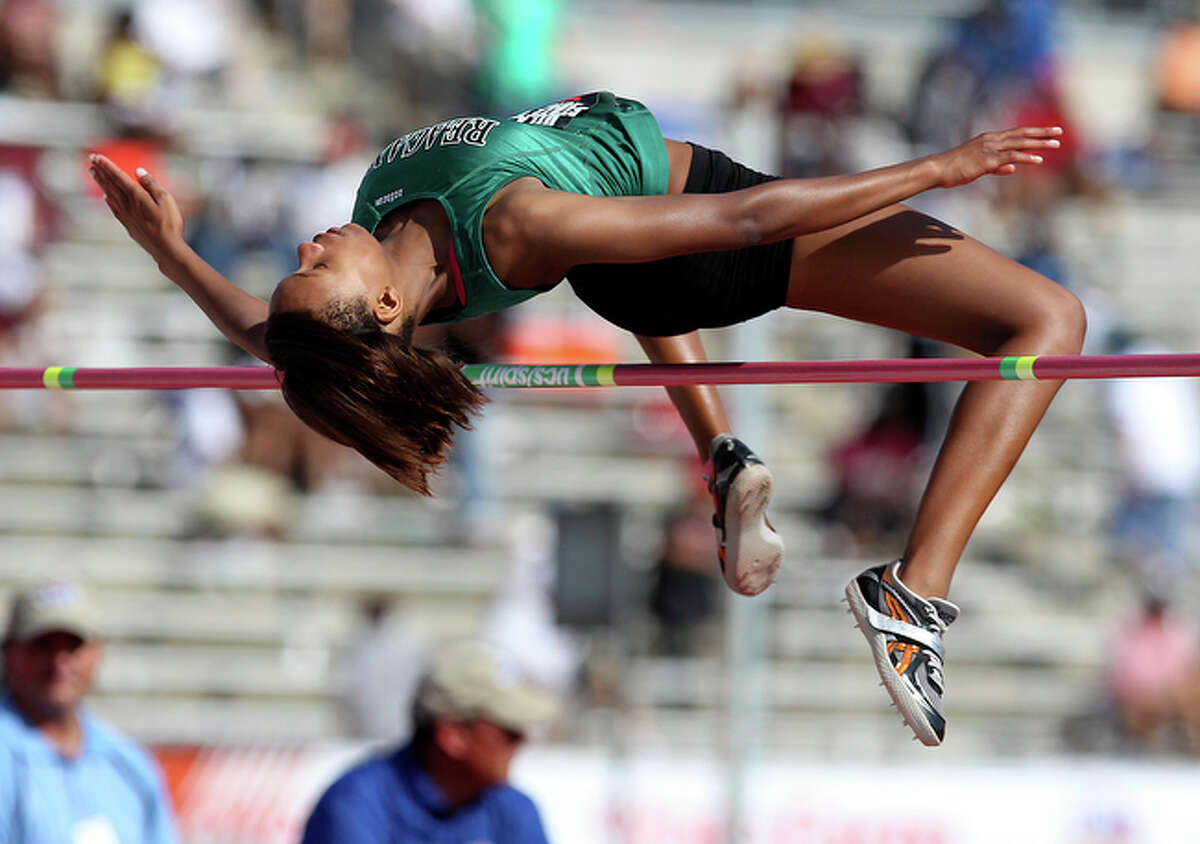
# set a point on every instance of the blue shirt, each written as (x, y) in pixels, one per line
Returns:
(112, 788)
(390, 800)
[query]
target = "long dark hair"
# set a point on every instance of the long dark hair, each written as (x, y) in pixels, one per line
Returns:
(394, 403)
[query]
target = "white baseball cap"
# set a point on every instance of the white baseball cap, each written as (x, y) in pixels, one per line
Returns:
(470, 679)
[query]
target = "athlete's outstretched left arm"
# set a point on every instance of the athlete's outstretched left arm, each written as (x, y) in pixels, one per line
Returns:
(699, 405)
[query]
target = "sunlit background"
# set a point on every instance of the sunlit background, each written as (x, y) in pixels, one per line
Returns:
(268, 597)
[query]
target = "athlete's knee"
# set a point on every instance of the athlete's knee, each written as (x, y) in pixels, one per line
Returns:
(1049, 320)
(1063, 322)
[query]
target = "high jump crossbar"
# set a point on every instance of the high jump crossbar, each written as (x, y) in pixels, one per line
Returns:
(1017, 368)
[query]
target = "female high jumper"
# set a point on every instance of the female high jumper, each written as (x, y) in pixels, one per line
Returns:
(662, 238)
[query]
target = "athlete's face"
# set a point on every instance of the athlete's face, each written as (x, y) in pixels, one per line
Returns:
(342, 263)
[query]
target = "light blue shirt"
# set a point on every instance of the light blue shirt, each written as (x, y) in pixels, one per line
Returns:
(111, 793)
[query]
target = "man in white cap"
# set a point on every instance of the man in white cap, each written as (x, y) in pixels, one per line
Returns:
(65, 778)
(449, 783)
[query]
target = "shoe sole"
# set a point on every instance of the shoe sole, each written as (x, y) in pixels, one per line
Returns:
(906, 702)
(753, 551)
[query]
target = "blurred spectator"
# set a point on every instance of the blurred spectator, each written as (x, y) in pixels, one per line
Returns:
(517, 42)
(1153, 676)
(64, 776)
(194, 41)
(1062, 172)
(1157, 421)
(383, 665)
(522, 619)
(449, 783)
(879, 468)
(683, 597)
(994, 54)
(208, 431)
(28, 64)
(1009, 43)
(30, 220)
(321, 195)
(261, 458)
(20, 281)
(243, 212)
(1178, 72)
(823, 94)
(130, 79)
(429, 49)
(1177, 87)
(943, 103)
(328, 29)
(472, 460)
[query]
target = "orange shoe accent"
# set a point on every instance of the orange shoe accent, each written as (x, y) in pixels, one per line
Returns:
(910, 651)
(894, 609)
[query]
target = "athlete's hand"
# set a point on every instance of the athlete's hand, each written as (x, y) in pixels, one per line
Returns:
(144, 207)
(995, 153)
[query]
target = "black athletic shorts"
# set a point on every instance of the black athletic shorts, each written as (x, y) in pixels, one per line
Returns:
(704, 290)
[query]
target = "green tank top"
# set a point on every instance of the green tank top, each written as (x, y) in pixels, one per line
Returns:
(596, 144)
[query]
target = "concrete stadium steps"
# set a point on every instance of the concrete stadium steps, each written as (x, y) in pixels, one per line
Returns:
(113, 505)
(117, 415)
(848, 683)
(108, 512)
(211, 131)
(983, 589)
(188, 719)
(230, 617)
(80, 460)
(117, 267)
(1017, 639)
(241, 671)
(822, 706)
(280, 568)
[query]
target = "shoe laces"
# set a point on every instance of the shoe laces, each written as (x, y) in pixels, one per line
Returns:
(935, 672)
(933, 618)
(933, 666)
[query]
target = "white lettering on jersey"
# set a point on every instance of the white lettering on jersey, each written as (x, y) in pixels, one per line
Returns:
(460, 130)
(550, 115)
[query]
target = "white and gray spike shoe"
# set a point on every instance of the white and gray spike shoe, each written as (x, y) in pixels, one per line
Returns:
(905, 634)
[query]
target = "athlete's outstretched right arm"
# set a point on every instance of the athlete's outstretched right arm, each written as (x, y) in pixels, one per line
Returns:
(563, 229)
(151, 216)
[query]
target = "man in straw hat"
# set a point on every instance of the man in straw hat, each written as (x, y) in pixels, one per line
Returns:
(449, 783)
(64, 776)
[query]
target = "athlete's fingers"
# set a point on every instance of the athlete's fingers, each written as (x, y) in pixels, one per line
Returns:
(1032, 137)
(112, 188)
(116, 175)
(1024, 157)
(1037, 131)
(1034, 143)
(157, 192)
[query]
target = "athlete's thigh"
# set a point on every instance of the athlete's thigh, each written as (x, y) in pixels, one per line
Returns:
(905, 270)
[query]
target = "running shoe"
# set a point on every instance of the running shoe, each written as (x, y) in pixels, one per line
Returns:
(748, 547)
(905, 634)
